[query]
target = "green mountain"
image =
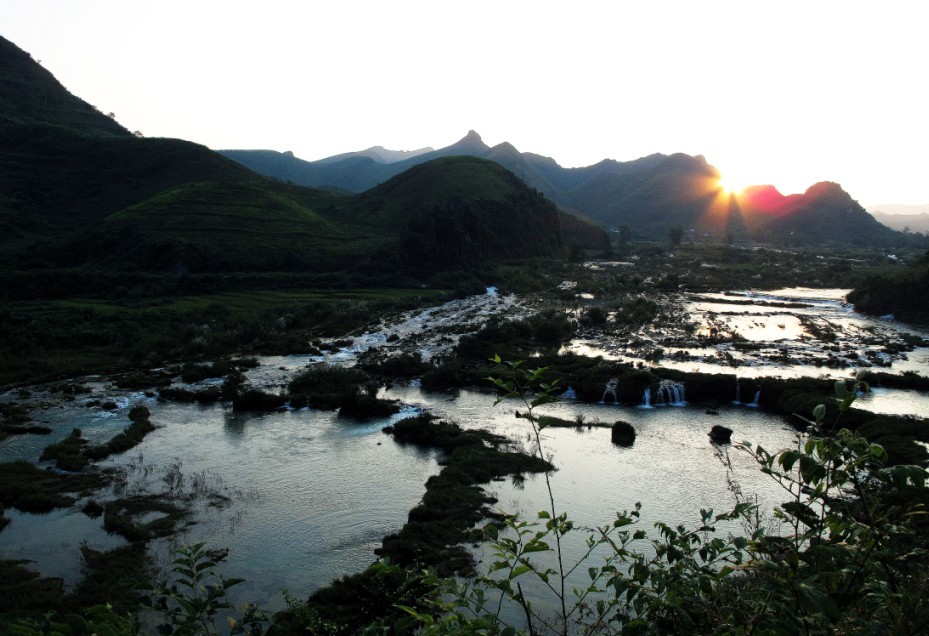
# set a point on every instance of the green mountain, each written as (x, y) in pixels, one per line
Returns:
(31, 95)
(650, 195)
(459, 211)
(77, 190)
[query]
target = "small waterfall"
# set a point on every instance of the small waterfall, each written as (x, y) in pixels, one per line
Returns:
(754, 402)
(670, 393)
(647, 399)
(569, 394)
(610, 390)
(738, 393)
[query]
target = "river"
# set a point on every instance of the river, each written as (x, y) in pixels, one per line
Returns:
(308, 496)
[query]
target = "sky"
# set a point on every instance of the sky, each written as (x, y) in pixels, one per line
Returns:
(770, 92)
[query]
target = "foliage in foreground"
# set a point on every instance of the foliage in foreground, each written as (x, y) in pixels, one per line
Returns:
(847, 559)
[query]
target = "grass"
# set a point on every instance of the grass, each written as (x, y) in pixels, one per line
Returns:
(435, 529)
(252, 301)
(454, 500)
(121, 517)
(26, 487)
(69, 336)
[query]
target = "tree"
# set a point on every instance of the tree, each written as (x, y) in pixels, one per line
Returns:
(676, 234)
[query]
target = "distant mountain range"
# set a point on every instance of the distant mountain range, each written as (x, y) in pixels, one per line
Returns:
(77, 190)
(911, 218)
(650, 195)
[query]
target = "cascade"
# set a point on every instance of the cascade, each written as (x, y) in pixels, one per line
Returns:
(569, 394)
(670, 393)
(647, 399)
(738, 393)
(610, 389)
(757, 397)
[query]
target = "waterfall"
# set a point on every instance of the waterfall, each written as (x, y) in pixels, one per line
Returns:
(610, 389)
(754, 402)
(738, 393)
(647, 399)
(670, 393)
(569, 394)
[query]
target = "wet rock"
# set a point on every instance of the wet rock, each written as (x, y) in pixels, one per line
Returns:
(622, 433)
(720, 434)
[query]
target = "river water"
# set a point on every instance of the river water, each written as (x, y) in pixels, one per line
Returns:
(308, 496)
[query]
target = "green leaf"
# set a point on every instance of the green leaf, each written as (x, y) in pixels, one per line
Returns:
(819, 412)
(840, 389)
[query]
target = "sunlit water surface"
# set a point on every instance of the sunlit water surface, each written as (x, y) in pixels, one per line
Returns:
(308, 496)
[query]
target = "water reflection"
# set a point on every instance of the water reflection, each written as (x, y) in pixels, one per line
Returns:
(310, 496)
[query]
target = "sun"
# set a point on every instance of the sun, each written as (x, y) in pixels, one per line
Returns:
(730, 186)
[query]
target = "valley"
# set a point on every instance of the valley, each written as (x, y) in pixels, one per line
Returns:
(371, 379)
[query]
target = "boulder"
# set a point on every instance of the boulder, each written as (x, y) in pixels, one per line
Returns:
(720, 434)
(623, 433)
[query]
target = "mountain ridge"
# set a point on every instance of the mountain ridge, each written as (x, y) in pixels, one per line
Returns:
(79, 191)
(651, 195)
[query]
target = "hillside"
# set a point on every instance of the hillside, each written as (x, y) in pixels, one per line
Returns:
(825, 213)
(650, 195)
(460, 211)
(31, 95)
(78, 191)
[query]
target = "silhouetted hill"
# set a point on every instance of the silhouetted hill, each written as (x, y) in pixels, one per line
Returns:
(75, 195)
(31, 95)
(460, 211)
(825, 213)
(650, 195)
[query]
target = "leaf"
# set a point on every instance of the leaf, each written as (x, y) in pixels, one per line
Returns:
(816, 600)
(840, 389)
(788, 458)
(819, 412)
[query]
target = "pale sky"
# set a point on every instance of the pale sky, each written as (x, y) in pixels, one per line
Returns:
(781, 92)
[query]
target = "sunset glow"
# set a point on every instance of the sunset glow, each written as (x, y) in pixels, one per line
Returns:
(785, 125)
(730, 186)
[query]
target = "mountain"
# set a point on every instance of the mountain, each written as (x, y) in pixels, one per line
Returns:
(379, 153)
(79, 191)
(651, 195)
(903, 218)
(460, 211)
(31, 95)
(825, 213)
(897, 209)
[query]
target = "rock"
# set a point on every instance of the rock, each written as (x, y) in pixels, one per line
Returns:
(622, 433)
(720, 434)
